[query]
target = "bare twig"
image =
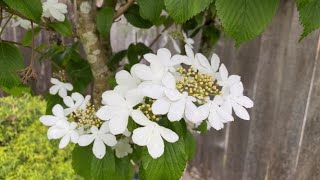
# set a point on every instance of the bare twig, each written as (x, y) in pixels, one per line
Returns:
(159, 35)
(5, 24)
(123, 9)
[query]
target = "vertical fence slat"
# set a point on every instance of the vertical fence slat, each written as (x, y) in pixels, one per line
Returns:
(308, 166)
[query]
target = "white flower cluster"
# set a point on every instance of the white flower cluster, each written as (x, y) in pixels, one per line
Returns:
(51, 9)
(170, 88)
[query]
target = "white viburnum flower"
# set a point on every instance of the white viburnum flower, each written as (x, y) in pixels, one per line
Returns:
(74, 102)
(188, 41)
(66, 131)
(54, 9)
(58, 115)
(225, 80)
(25, 24)
(151, 134)
(123, 147)
(164, 57)
(118, 108)
(237, 101)
(216, 115)
(126, 81)
(100, 138)
(172, 102)
(60, 87)
(205, 67)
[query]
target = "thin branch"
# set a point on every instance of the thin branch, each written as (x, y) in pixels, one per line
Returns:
(5, 24)
(123, 9)
(159, 35)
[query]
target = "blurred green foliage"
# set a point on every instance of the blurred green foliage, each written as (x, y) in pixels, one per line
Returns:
(25, 151)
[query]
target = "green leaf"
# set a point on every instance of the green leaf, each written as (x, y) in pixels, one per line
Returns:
(243, 20)
(116, 59)
(111, 167)
(11, 61)
(150, 9)
(169, 166)
(134, 18)
(183, 10)
(79, 72)
(136, 51)
(202, 128)
(29, 35)
(309, 13)
(31, 9)
(81, 161)
(64, 28)
(52, 100)
(104, 21)
(190, 144)
(88, 166)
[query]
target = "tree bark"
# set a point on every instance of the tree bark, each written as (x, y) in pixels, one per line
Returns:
(96, 51)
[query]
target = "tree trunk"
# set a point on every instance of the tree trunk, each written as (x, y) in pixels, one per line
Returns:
(96, 51)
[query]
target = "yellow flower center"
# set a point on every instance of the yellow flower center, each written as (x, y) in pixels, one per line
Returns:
(197, 84)
(145, 108)
(87, 116)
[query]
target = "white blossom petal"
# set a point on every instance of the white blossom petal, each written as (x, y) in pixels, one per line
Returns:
(168, 134)
(245, 101)
(240, 111)
(118, 124)
(160, 106)
(140, 118)
(64, 141)
(85, 140)
(155, 146)
(141, 136)
(109, 139)
(176, 110)
(99, 148)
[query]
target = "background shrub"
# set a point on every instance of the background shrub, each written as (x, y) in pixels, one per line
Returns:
(25, 152)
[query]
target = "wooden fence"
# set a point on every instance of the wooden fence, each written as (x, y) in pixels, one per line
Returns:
(282, 76)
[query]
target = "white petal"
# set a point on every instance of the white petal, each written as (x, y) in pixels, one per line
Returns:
(203, 61)
(223, 72)
(169, 81)
(54, 89)
(56, 133)
(99, 149)
(68, 101)
(57, 110)
(193, 113)
(124, 77)
(215, 121)
(68, 86)
(64, 141)
(176, 110)
(144, 72)
(104, 128)
(173, 94)
(240, 111)
(226, 117)
(108, 112)
(48, 120)
(85, 140)
(233, 79)
(189, 52)
(118, 124)
(155, 146)
(164, 54)
(55, 81)
(160, 106)
(153, 91)
(245, 101)
(140, 118)
(113, 98)
(177, 59)
(150, 57)
(215, 62)
(141, 136)
(226, 106)
(168, 134)
(74, 135)
(134, 97)
(109, 139)
(63, 92)
(237, 89)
